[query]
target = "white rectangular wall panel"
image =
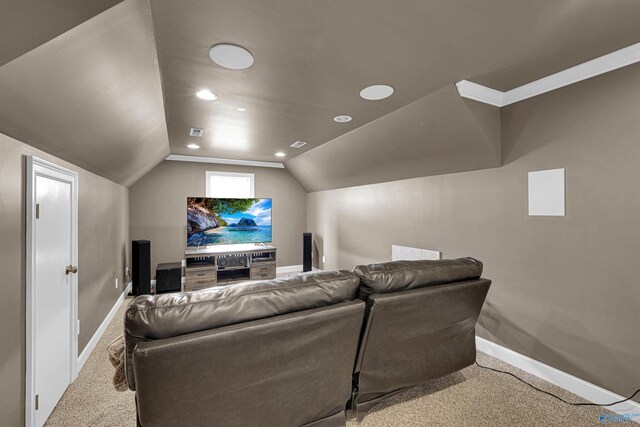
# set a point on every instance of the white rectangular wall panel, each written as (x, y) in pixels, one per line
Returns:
(405, 253)
(546, 193)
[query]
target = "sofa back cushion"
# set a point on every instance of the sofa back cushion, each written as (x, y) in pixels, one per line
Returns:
(405, 275)
(414, 336)
(152, 317)
(288, 370)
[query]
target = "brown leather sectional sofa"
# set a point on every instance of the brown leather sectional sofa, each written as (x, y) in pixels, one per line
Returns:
(297, 351)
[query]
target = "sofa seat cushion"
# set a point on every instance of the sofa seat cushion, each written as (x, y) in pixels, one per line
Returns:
(151, 317)
(404, 275)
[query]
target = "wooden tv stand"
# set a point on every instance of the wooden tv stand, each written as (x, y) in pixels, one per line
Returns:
(219, 266)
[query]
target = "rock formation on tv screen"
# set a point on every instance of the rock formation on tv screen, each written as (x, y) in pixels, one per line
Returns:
(244, 222)
(204, 214)
(199, 218)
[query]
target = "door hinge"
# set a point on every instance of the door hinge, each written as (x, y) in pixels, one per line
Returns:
(78, 326)
(37, 402)
(37, 210)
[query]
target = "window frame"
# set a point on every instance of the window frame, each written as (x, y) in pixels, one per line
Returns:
(209, 174)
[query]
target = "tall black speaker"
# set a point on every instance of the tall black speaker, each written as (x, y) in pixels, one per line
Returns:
(306, 251)
(141, 267)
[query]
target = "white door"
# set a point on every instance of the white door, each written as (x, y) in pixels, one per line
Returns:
(52, 291)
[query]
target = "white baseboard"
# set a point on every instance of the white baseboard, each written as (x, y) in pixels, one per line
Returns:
(84, 355)
(289, 269)
(575, 385)
(293, 269)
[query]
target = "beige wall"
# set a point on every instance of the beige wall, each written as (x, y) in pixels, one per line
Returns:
(159, 208)
(103, 219)
(566, 290)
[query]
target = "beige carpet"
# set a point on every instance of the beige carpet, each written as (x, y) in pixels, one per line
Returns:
(471, 397)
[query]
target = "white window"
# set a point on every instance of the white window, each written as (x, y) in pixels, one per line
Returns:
(229, 185)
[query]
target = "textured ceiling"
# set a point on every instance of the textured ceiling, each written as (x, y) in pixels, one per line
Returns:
(26, 24)
(313, 58)
(92, 96)
(440, 133)
(93, 93)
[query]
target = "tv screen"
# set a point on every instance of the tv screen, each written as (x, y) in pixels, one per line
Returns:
(228, 221)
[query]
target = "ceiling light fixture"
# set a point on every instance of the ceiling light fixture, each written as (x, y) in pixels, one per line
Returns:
(231, 56)
(242, 109)
(280, 154)
(376, 92)
(206, 95)
(193, 146)
(342, 119)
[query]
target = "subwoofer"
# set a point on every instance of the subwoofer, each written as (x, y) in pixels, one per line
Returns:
(307, 243)
(168, 277)
(140, 267)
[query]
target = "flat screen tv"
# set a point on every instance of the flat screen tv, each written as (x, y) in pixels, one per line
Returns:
(227, 221)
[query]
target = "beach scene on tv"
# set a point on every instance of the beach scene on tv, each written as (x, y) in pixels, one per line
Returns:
(228, 221)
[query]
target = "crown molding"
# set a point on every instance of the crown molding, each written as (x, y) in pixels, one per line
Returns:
(196, 159)
(603, 64)
(480, 93)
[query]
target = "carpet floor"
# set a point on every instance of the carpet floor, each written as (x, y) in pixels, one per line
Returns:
(471, 397)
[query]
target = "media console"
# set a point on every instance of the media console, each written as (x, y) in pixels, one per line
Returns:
(213, 266)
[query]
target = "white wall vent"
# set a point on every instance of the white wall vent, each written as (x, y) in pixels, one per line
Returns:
(298, 144)
(196, 132)
(404, 253)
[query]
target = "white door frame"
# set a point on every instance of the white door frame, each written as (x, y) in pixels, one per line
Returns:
(38, 167)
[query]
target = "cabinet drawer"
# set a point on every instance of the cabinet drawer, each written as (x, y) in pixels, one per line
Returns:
(262, 273)
(201, 274)
(262, 268)
(193, 284)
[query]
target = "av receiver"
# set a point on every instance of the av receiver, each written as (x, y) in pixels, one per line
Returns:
(232, 261)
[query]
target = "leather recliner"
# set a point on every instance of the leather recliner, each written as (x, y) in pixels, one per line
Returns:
(273, 353)
(282, 352)
(419, 324)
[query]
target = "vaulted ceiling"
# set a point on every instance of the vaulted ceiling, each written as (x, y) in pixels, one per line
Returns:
(111, 86)
(26, 24)
(440, 133)
(92, 96)
(312, 58)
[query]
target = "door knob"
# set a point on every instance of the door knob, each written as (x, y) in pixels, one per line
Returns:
(71, 269)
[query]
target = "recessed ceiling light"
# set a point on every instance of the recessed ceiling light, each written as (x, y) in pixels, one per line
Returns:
(231, 56)
(207, 95)
(280, 154)
(193, 146)
(342, 119)
(376, 92)
(242, 109)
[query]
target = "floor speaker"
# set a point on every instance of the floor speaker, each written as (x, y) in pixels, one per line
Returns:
(306, 251)
(141, 267)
